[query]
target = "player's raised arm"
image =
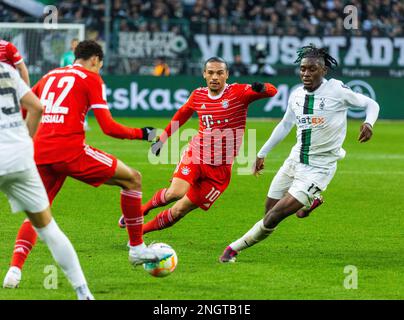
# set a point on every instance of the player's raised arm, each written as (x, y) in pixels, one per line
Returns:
(104, 118)
(278, 134)
(180, 117)
(362, 101)
(259, 90)
(116, 130)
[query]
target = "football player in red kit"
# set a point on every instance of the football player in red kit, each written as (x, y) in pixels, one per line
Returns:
(204, 171)
(60, 150)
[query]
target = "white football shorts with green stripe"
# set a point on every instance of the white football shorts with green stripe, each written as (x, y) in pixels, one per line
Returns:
(302, 181)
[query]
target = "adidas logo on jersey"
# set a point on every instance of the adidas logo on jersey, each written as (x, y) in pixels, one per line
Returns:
(203, 106)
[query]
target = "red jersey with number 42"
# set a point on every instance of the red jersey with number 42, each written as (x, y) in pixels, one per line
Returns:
(67, 95)
(222, 121)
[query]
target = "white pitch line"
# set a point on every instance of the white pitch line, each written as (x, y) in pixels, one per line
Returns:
(386, 172)
(350, 155)
(171, 167)
(376, 156)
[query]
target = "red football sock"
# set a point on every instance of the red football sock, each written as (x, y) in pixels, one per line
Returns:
(26, 239)
(158, 200)
(163, 220)
(131, 202)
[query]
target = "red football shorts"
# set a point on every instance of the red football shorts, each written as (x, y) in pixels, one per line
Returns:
(92, 166)
(207, 182)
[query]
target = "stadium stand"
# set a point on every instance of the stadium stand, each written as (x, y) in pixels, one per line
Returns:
(377, 18)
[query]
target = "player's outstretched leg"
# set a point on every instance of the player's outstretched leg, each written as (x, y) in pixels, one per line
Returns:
(62, 251)
(27, 236)
(263, 228)
(256, 234)
(229, 255)
(169, 217)
(158, 200)
(25, 241)
(131, 198)
(162, 197)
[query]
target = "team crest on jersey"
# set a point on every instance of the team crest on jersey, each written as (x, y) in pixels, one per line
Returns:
(225, 103)
(321, 105)
(185, 171)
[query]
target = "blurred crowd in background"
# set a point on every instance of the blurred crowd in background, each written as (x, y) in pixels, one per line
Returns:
(377, 18)
(306, 17)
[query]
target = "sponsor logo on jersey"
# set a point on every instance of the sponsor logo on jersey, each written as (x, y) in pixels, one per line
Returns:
(310, 121)
(207, 120)
(185, 171)
(203, 106)
(225, 103)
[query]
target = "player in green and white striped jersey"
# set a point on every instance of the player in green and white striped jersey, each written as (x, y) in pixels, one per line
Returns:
(319, 111)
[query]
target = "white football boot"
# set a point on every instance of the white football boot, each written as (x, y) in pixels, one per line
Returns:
(83, 293)
(142, 254)
(12, 278)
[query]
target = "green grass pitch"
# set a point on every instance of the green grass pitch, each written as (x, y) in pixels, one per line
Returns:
(360, 224)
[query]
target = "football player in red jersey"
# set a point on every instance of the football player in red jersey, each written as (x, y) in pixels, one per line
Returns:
(9, 54)
(204, 171)
(60, 150)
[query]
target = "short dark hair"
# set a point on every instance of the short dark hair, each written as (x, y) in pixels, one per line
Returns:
(311, 51)
(215, 59)
(88, 48)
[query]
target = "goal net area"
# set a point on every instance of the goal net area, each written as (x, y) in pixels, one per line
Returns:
(41, 45)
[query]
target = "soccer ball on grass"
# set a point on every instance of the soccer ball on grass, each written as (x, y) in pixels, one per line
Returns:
(164, 267)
